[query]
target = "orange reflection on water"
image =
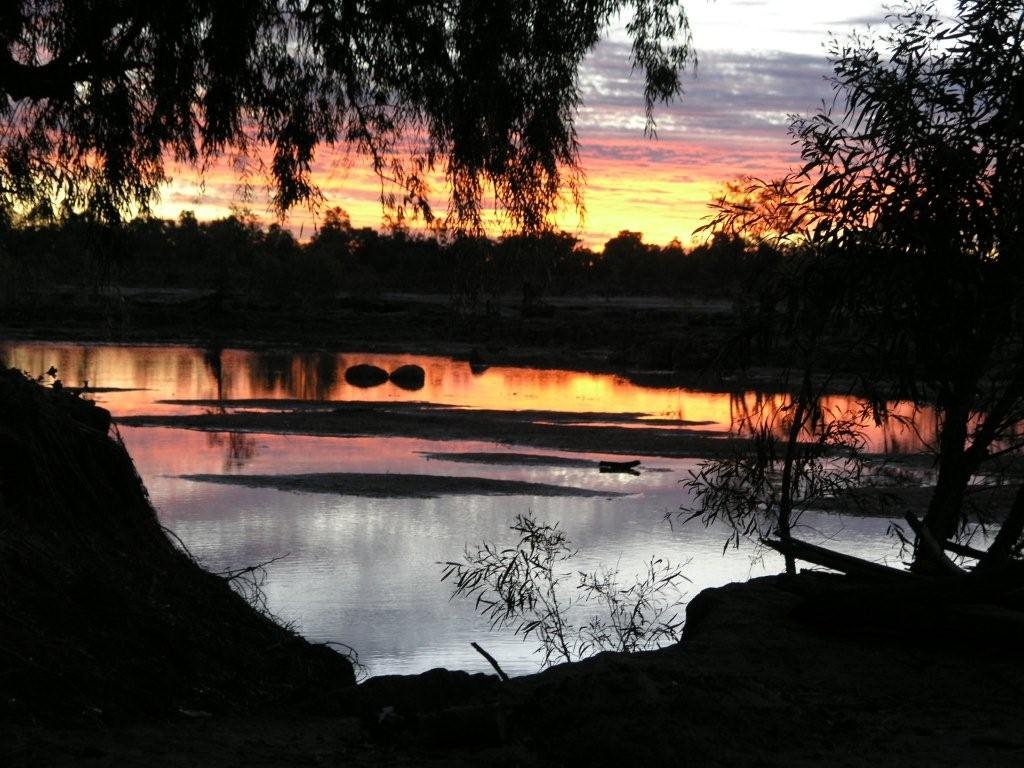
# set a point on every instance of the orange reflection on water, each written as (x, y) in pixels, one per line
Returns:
(156, 373)
(906, 427)
(187, 373)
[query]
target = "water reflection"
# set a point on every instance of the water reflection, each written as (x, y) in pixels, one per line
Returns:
(239, 448)
(215, 373)
(364, 571)
(905, 427)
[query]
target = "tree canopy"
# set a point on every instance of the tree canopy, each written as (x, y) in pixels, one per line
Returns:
(98, 96)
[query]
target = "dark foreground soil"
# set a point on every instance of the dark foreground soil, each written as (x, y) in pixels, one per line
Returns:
(100, 612)
(810, 671)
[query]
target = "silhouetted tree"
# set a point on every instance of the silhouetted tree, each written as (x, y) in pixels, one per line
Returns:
(236, 256)
(624, 256)
(531, 265)
(99, 95)
(721, 263)
(906, 218)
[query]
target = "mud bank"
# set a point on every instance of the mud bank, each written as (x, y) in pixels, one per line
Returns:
(511, 459)
(398, 486)
(535, 429)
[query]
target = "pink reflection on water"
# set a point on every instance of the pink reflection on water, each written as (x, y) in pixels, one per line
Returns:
(163, 454)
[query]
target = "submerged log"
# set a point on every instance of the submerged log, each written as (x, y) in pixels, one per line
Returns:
(628, 467)
(492, 661)
(411, 377)
(477, 364)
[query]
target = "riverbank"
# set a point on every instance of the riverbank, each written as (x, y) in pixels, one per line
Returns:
(814, 670)
(102, 614)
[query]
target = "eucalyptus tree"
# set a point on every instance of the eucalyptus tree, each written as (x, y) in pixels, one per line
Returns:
(97, 97)
(906, 215)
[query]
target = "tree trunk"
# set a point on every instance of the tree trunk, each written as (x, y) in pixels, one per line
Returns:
(792, 446)
(954, 473)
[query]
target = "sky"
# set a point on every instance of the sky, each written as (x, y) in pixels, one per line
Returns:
(759, 61)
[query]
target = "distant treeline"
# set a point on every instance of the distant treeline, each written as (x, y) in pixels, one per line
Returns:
(237, 255)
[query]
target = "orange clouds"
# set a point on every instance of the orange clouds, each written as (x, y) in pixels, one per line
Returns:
(663, 192)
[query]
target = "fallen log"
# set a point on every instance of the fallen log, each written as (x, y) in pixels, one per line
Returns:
(827, 558)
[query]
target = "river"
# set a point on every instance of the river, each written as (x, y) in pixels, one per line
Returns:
(365, 571)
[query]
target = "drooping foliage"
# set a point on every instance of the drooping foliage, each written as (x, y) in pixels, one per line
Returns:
(98, 96)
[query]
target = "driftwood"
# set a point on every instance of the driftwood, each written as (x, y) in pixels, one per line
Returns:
(1007, 580)
(854, 566)
(619, 466)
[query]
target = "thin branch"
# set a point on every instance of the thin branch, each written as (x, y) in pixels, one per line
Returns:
(492, 661)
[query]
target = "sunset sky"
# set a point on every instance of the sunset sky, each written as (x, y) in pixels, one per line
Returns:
(760, 61)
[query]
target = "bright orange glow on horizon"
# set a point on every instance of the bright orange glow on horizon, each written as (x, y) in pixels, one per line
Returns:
(663, 200)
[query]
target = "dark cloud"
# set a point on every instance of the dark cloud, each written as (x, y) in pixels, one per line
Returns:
(736, 94)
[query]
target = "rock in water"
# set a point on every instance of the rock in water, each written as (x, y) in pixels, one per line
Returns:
(365, 376)
(477, 364)
(408, 377)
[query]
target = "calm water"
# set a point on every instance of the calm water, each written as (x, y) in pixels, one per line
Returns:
(364, 571)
